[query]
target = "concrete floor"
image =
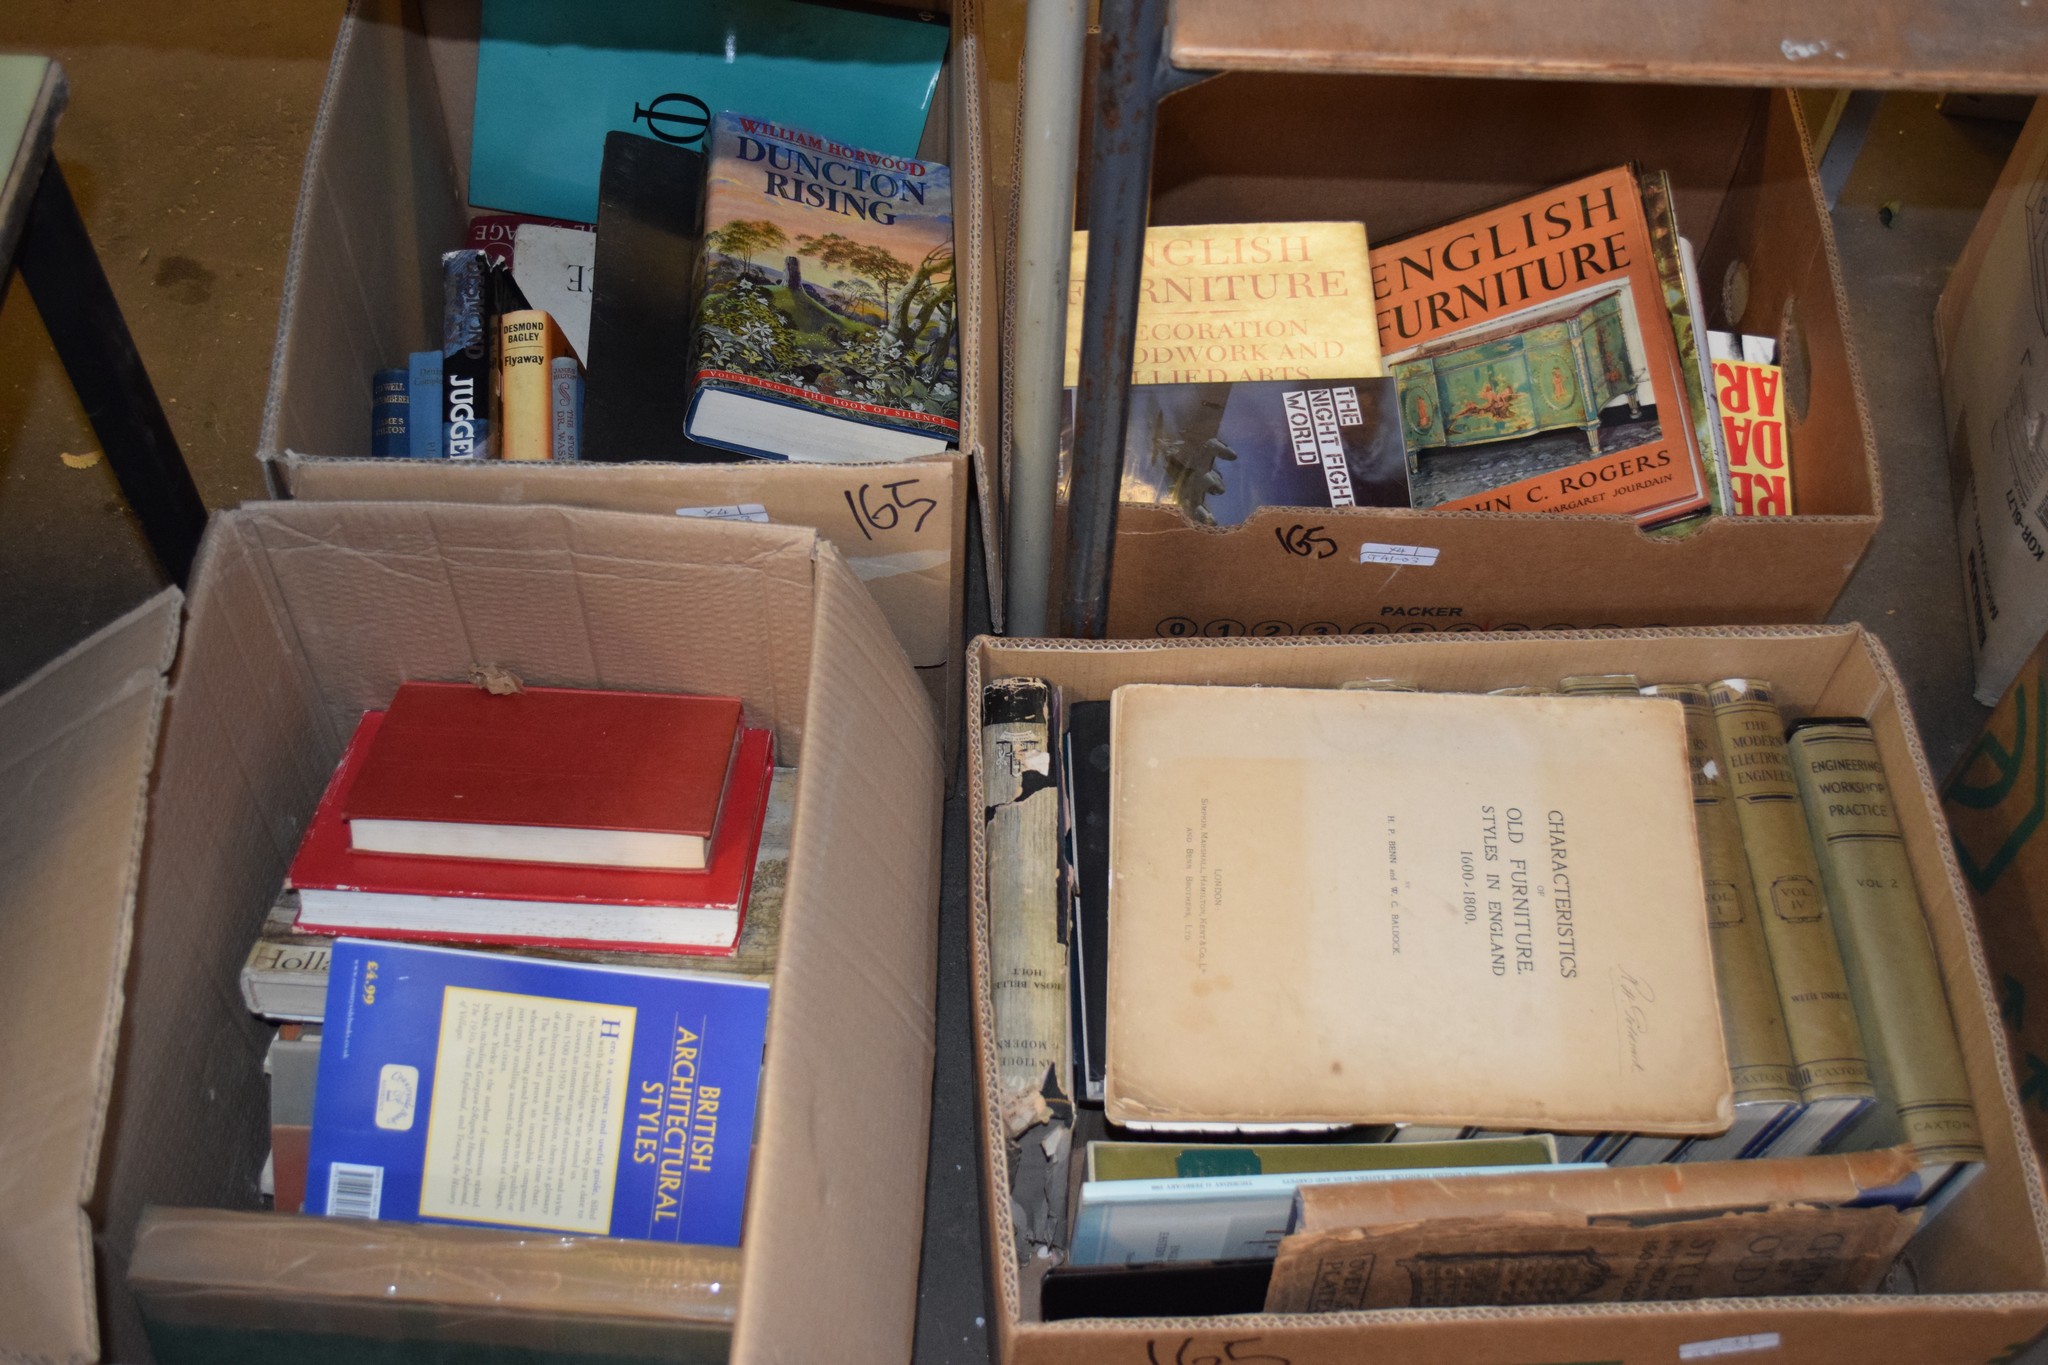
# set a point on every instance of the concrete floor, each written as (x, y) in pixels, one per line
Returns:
(185, 152)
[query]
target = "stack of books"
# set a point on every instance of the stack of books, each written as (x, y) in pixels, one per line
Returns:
(475, 965)
(1364, 937)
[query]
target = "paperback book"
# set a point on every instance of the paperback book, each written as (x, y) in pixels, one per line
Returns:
(501, 1091)
(827, 323)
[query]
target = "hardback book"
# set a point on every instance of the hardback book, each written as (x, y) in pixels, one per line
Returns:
(650, 233)
(1750, 394)
(1537, 366)
(1752, 1020)
(1829, 1062)
(546, 774)
(827, 324)
(1084, 778)
(1212, 1218)
(1615, 1191)
(475, 291)
(1562, 1256)
(285, 976)
(489, 1089)
(1600, 685)
(1923, 1091)
(1713, 440)
(1461, 938)
(292, 1062)
(390, 414)
(529, 343)
(565, 407)
(1220, 452)
(1027, 948)
(556, 269)
(474, 900)
(423, 382)
(1688, 330)
(1191, 1160)
(552, 81)
(497, 234)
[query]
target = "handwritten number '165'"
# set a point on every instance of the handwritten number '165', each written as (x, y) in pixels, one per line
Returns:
(1233, 1353)
(1305, 542)
(885, 510)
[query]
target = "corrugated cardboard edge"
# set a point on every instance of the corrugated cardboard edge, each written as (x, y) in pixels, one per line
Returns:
(980, 368)
(2025, 1310)
(94, 712)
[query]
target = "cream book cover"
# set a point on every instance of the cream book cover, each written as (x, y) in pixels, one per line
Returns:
(1367, 907)
(1244, 302)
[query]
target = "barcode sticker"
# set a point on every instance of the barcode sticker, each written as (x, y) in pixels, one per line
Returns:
(1421, 556)
(354, 1191)
(1729, 1346)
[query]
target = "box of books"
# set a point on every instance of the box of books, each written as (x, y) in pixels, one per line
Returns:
(1453, 367)
(478, 165)
(1536, 997)
(497, 978)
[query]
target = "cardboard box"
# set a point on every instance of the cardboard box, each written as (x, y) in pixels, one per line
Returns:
(1996, 802)
(302, 615)
(1981, 1269)
(1401, 154)
(1990, 319)
(384, 194)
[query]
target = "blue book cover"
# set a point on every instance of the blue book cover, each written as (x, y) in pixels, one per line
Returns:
(553, 79)
(489, 1089)
(390, 413)
(424, 382)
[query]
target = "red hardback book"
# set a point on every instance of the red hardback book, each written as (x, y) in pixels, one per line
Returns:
(549, 774)
(459, 900)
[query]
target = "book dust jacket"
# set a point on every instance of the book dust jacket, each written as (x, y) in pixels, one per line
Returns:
(827, 279)
(1536, 362)
(500, 1091)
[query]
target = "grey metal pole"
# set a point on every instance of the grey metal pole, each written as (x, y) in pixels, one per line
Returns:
(1131, 77)
(1054, 35)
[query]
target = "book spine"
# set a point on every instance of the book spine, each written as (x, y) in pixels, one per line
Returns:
(1813, 989)
(1885, 945)
(526, 384)
(1601, 685)
(468, 376)
(565, 406)
(1027, 958)
(390, 410)
(424, 383)
(1668, 257)
(1759, 1056)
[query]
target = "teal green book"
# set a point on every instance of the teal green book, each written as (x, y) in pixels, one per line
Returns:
(553, 79)
(1179, 1161)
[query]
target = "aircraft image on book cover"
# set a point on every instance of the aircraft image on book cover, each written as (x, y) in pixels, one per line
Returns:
(1221, 451)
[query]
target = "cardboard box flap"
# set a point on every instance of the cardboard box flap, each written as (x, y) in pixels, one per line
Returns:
(77, 743)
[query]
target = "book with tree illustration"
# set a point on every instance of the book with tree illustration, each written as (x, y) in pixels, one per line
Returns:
(827, 324)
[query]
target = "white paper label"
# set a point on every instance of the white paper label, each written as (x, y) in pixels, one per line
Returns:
(1729, 1346)
(732, 511)
(1422, 556)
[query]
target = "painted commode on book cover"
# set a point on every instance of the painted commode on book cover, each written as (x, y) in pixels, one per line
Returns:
(488, 1089)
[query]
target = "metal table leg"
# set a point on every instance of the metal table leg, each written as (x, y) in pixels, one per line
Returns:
(1133, 75)
(63, 275)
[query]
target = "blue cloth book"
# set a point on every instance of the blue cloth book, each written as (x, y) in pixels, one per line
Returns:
(423, 381)
(553, 79)
(390, 414)
(489, 1089)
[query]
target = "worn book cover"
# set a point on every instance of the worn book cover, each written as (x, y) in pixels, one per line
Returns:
(1832, 1067)
(1221, 451)
(1565, 1258)
(1536, 361)
(488, 1089)
(1894, 978)
(1190, 1160)
(826, 287)
(1367, 907)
